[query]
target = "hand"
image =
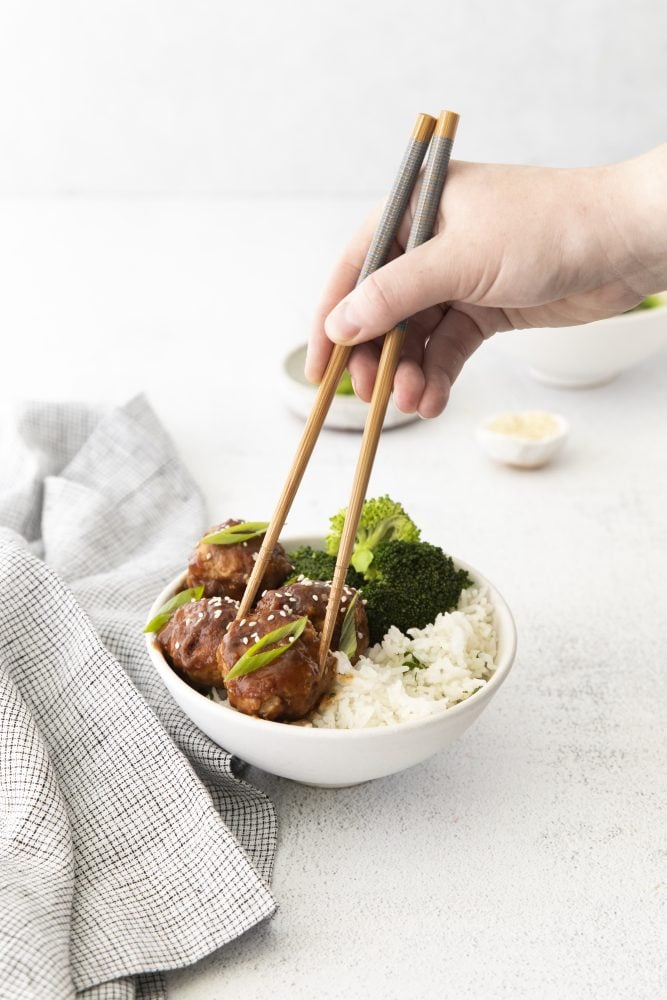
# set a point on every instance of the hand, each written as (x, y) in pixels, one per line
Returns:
(514, 247)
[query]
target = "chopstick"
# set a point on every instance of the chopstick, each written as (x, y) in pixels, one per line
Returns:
(421, 230)
(377, 255)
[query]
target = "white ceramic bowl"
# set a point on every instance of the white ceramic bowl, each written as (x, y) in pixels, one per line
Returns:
(577, 357)
(525, 453)
(334, 758)
(347, 413)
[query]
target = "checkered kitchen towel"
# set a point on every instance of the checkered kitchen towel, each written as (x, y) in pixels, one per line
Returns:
(127, 843)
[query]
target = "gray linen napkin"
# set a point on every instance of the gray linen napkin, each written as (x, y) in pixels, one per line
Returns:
(128, 842)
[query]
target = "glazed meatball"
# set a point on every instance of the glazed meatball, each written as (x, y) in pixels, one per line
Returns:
(311, 597)
(225, 569)
(192, 635)
(286, 689)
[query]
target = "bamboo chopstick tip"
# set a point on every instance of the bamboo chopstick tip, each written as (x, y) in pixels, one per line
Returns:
(424, 127)
(447, 124)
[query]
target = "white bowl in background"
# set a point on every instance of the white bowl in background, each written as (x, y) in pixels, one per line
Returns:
(578, 357)
(347, 413)
(334, 758)
(523, 452)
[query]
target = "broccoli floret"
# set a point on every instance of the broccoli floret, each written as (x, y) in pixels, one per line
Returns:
(413, 583)
(382, 520)
(317, 565)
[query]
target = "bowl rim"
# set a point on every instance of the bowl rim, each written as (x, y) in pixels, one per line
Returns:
(563, 429)
(501, 609)
(631, 315)
(347, 412)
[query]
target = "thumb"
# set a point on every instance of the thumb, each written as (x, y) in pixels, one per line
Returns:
(400, 289)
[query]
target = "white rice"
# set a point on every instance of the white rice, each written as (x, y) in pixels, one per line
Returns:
(458, 655)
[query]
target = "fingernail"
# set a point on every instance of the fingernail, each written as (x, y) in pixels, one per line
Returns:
(313, 374)
(306, 364)
(339, 324)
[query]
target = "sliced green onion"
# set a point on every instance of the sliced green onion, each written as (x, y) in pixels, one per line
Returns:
(167, 610)
(258, 655)
(236, 533)
(345, 387)
(348, 633)
(412, 662)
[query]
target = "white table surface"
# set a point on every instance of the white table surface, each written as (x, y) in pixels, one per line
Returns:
(528, 859)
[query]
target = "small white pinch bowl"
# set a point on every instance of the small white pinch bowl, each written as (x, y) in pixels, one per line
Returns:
(334, 758)
(347, 413)
(581, 357)
(524, 453)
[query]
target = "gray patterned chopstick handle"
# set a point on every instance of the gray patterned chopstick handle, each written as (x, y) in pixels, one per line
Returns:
(435, 173)
(433, 182)
(397, 202)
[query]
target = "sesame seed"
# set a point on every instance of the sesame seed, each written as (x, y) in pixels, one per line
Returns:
(286, 607)
(293, 600)
(263, 593)
(201, 615)
(252, 624)
(245, 545)
(343, 599)
(242, 622)
(209, 555)
(364, 601)
(177, 645)
(291, 638)
(283, 614)
(254, 556)
(315, 597)
(255, 636)
(217, 614)
(270, 618)
(245, 640)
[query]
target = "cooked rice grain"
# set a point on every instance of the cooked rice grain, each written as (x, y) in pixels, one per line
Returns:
(458, 655)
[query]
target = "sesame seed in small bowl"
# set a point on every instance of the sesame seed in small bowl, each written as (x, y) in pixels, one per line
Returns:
(525, 439)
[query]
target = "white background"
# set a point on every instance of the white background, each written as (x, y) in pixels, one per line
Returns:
(206, 96)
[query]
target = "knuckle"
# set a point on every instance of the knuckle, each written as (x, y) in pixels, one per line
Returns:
(377, 299)
(440, 371)
(436, 400)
